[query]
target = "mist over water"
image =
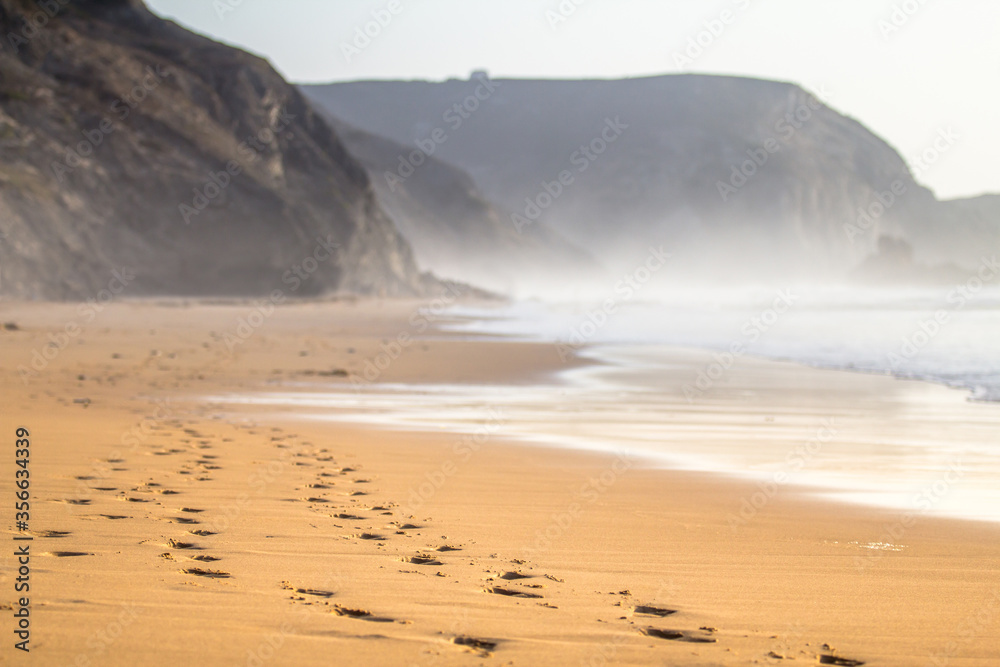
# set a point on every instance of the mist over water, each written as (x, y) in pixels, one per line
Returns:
(648, 399)
(944, 335)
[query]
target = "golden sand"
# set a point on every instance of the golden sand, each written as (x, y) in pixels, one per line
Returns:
(169, 530)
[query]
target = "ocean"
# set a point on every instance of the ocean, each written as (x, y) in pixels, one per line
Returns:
(666, 388)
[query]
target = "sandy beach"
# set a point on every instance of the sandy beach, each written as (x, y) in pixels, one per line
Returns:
(190, 532)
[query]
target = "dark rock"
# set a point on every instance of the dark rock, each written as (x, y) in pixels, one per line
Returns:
(112, 119)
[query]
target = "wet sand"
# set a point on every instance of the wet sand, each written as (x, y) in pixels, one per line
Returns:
(168, 529)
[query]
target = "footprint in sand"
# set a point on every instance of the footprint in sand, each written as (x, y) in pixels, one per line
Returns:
(201, 533)
(372, 536)
(423, 560)
(842, 662)
(176, 544)
(307, 591)
(677, 635)
(113, 517)
(51, 533)
(483, 646)
(205, 559)
(511, 593)
(74, 501)
(653, 611)
(182, 519)
(191, 510)
(66, 554)
(514, 576)
(211, 574)
(361, 614)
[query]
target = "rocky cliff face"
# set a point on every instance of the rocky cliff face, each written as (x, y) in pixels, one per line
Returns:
(127, 142)
(733, 175)
(454, 230)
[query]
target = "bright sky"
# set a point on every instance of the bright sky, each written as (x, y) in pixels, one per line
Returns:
(907, 69)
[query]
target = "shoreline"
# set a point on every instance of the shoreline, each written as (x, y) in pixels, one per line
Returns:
(604, 404)
(298, 510)
(852, 365)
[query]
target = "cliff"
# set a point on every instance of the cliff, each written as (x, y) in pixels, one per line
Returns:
(127, 142)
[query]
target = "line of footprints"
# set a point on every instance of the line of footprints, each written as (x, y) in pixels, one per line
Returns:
(516, 582)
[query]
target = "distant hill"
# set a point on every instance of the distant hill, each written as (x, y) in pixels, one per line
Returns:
(453, 229)
(129, 142)
(738, 177)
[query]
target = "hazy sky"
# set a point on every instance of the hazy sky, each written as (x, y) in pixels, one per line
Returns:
(908, 69)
